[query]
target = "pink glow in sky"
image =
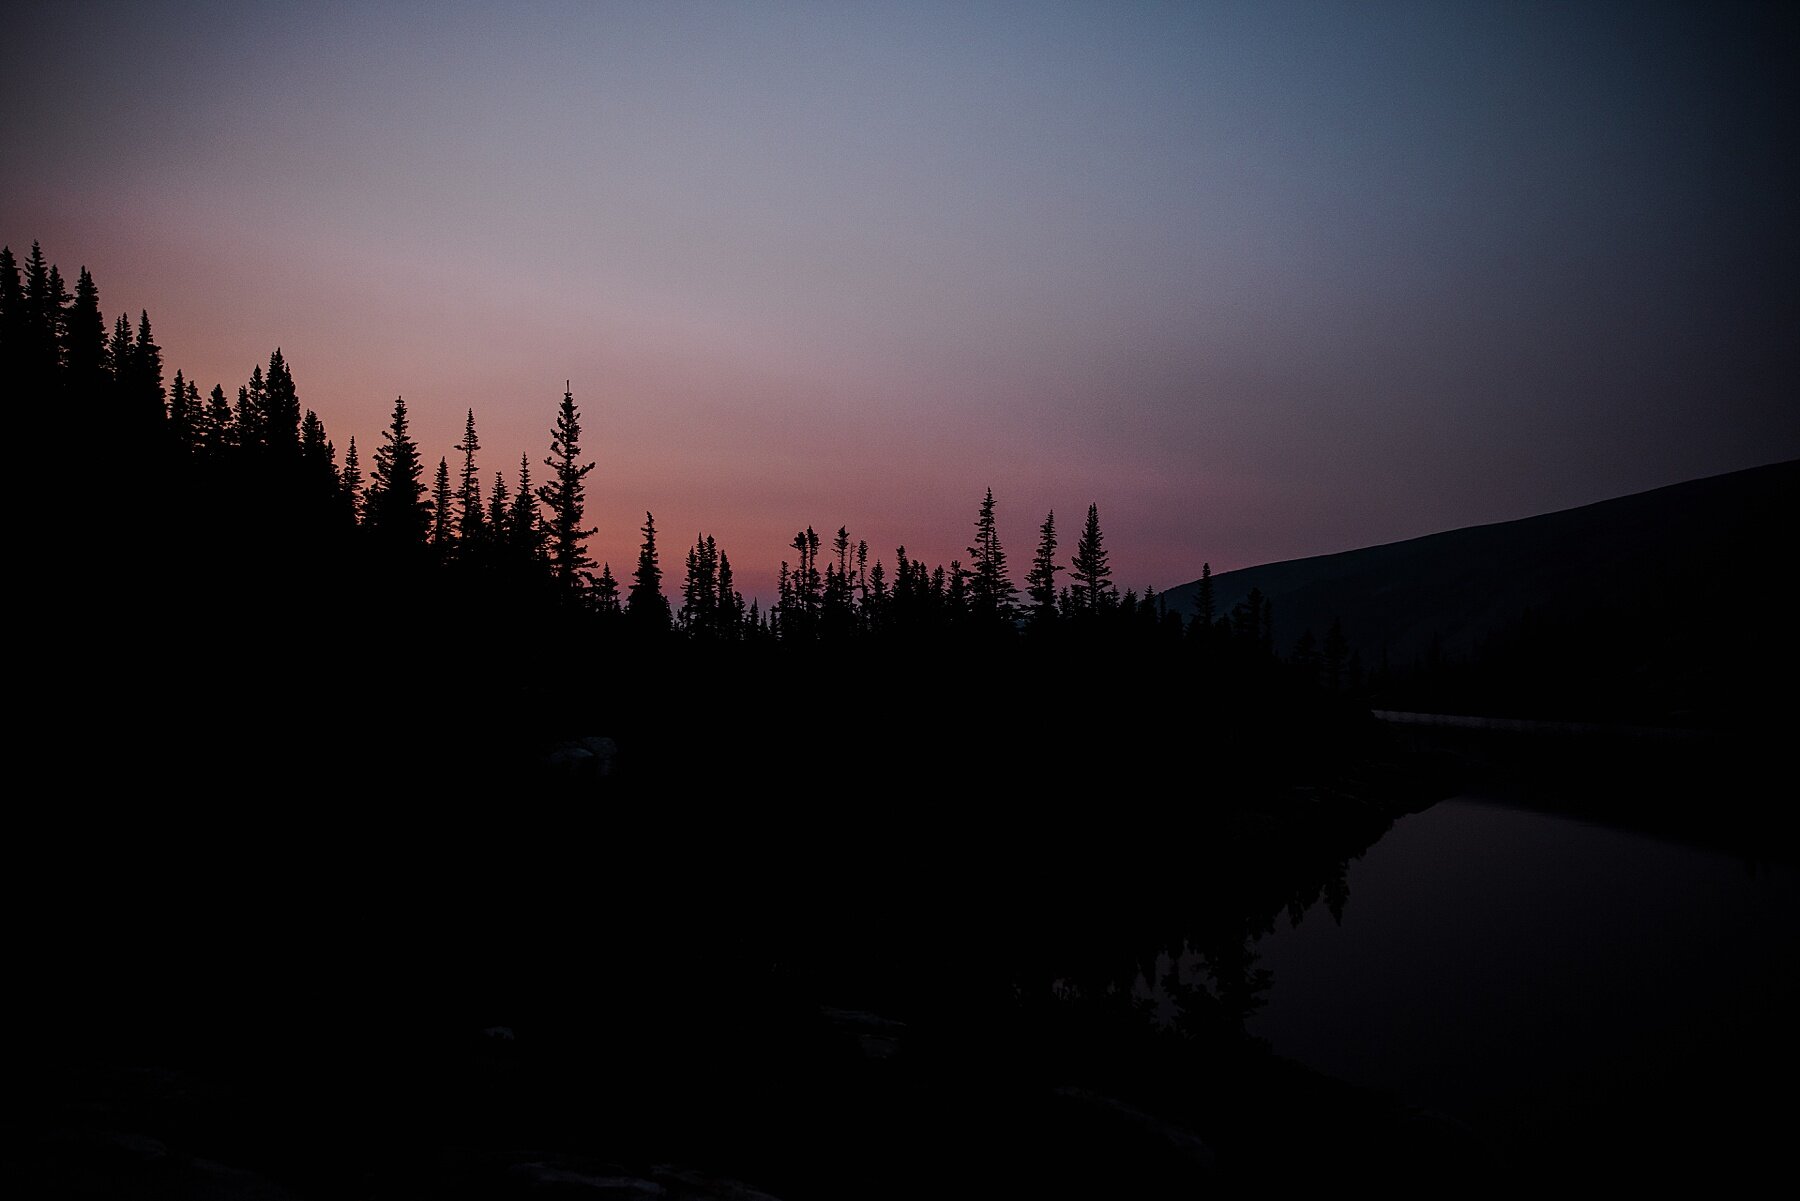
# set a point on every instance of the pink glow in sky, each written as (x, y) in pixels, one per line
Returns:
(1260, 280)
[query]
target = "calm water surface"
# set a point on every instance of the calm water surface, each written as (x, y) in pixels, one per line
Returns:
(1524, 972)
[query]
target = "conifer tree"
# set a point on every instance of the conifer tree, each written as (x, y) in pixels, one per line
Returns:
(606, 593)
(118, 356)
(1089, 569)
(731, 602)
(143, 382)
(499, 519)
(1040, 582)
(216, 430)
(181, 421)
(469, 519)
(700, 590)
(801, 617)
(837, 610)
(646, 605)
(395, 507)
(84, 341)
(350, 485)
(442, 519)
(253, 413)
(991, 590)
(953, 586)
(40, 354)
(525, 528)
(1205, 611)
(564, 497)
(12, 320)
(281, 408)
(59, 315)
(318, 463)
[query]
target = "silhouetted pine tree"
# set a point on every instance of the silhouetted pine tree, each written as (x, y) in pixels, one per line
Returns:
(395, 509)
(253, 413)
(318, 465)
(991, 590)
(59, 311)
(800, 616)
(118, 358)
(12, 324)
(84, 341)
(1205, 610)
(525, 526)
(183, 422)
(350, 484)
(281, 409)
(470, 520)
(953, 586)
(1040, 582)
(143, 379)
(40, 351)
(499, 518)
(876, 600)
(606, 593)
(442, 519)
(700, 590)
(646, 606)
(217, 431)
(837, 612)
(1090, 589)
(731, 602)
(564, 495)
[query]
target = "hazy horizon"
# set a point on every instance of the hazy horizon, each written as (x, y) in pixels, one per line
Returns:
(1260, 281)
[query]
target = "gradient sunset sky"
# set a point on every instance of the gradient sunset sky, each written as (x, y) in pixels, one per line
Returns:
(1261, 280)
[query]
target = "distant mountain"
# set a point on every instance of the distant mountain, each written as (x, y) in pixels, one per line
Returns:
(1674, 595)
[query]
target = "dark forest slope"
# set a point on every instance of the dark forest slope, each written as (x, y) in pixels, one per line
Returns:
(1658, 606)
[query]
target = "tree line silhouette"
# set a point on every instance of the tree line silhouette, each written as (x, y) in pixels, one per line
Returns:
(245, 502)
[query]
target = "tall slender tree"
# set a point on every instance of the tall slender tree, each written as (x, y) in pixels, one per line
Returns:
(253, 413)
(525, 526)
(470, 520)
(182, 426)
(351, 482)
(1040, 582)
(1089, 569)
(499, 519)
(990, 589)
(443, 521)
(565, 497)
(42, 315)
(13, 335)
(143, 378)
(1205, 607)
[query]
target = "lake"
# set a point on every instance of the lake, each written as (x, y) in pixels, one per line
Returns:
(1583, 996)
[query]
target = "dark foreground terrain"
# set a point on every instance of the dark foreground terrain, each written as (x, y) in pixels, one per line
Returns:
(705, 967)
(693, 928)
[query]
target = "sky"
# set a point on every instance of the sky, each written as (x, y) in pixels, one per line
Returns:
(1259, 280)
